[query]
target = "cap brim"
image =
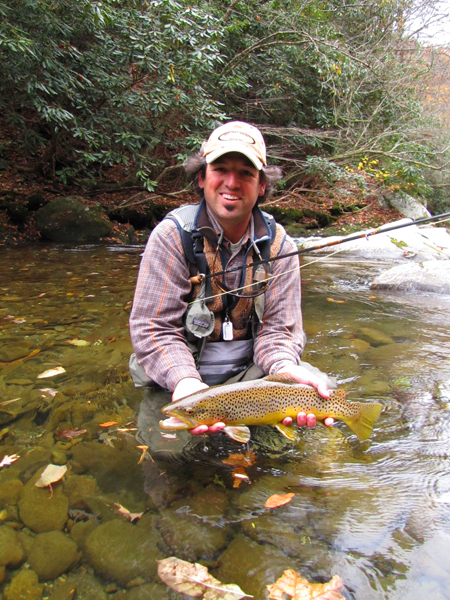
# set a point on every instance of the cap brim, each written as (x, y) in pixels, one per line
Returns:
(212, 156)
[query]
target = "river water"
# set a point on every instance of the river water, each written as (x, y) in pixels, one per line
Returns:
(376, 513)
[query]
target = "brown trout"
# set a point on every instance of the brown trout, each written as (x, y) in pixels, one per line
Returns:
(266, 401)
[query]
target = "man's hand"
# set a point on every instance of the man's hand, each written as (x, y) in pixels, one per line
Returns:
(190, 385)
(303, 375)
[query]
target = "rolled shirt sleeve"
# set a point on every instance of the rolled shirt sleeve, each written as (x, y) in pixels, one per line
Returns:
(156, 321)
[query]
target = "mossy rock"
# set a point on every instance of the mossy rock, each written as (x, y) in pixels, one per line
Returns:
(52, 554)
(68, 219)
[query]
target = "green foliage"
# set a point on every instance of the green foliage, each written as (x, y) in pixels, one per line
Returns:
(143, 82)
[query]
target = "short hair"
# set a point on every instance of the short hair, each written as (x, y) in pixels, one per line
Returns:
(196, 164)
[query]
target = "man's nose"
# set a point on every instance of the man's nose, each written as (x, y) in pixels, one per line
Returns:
(232, 180)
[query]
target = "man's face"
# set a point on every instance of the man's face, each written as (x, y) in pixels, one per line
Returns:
(231, 187)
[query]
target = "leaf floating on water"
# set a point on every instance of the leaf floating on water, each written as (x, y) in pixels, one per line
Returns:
(194, 580)
(126, 514)
(239, 459)
(278, 500)
(296, 587)
(337, 301)
(8, 460)
(50, 475)
(77, 342)
(51, 372)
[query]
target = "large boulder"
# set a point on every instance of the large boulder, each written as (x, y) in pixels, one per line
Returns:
(428, 276)
(407, 205)
(68, 219)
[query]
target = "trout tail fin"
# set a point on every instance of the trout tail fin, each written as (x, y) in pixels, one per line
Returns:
(362, 424)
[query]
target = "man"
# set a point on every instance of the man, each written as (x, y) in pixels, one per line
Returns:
(190, 331)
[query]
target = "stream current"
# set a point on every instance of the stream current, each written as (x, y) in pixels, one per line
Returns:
(376, 513)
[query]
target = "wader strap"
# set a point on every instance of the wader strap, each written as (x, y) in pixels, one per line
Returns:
(201, 262)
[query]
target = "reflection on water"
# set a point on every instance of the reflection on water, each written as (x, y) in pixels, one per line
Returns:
(374, 512)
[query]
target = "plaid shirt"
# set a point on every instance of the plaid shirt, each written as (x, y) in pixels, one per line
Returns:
(161, 299)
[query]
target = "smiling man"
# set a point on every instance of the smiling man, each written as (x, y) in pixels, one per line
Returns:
(191, 328)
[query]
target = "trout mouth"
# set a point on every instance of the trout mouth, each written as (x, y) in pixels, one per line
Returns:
(176, 420)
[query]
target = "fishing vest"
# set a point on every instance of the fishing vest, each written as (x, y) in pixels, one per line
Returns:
(200, 254)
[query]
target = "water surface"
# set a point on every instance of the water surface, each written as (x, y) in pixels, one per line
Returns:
(375, 512)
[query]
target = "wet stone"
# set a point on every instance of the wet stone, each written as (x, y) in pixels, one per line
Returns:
(79, 487)
(153, 591)
(12, 352)
(12, 554)
(374, 337)
(88, 587)
(63, 590)
(24, 586)
(10, 492)
(52, 554)
(251, 565)
(39, 511)
(189, 538)
(81, 531)
(119, 551)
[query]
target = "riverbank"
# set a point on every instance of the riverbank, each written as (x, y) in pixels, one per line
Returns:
(313, 207)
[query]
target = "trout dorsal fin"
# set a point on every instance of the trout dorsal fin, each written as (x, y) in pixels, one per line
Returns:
(281, 378)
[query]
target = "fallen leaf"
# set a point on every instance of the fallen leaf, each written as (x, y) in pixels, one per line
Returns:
(51, 372)
(239, 459)
(294, 585)
(19, 321)
(71, 433)
(169, 436)
(239, 475)
(77, 342)
(50, 475)
(337, 301)
(278, 500)
(49, 391)
(126, 514)
(5, 402)
(8, 460)
(108, 424)
(194, 580)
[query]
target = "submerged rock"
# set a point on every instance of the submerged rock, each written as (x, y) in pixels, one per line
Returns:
(24, 586)
(11, 551)
(120, 552)
(429, 276)
(67, 219)
(52, 554)
(39, 511)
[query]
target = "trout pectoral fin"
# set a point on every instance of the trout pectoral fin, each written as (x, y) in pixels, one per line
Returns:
(238, 433)
(362, 425)
(286, 431)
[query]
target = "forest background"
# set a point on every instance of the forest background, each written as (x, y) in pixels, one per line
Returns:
(104, 101)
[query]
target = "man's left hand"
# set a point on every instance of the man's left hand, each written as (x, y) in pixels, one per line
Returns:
(303, 375)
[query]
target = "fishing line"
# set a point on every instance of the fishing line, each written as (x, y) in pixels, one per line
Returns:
(267, 280)
(350, 238)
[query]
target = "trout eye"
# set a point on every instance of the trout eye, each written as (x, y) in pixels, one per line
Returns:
(189, 410)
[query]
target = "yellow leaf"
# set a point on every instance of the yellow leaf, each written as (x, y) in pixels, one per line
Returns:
(296, 587)
(108, 424)
(77, 342)
(337, 301)
(278, 500)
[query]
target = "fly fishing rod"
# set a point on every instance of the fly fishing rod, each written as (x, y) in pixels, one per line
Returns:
(349, 238)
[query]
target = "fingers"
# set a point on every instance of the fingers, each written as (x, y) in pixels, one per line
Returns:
(308, 420)
(202, 429)
(287, 421)
(329, 421)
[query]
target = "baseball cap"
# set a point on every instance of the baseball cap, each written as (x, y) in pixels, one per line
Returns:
(236, 136)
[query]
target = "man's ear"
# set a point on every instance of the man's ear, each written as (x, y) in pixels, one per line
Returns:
(201, 180)
(262, 188)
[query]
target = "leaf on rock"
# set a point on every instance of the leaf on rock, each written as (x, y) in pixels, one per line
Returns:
(51, 372)
(296, 587)
(50, 475)
(108, 424)
(8, 460)
(278, 500)
(194, 580)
